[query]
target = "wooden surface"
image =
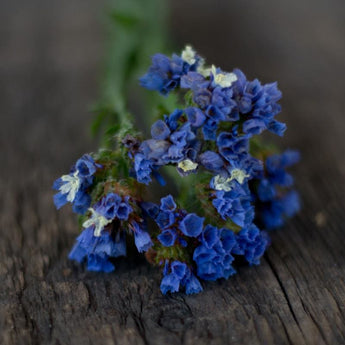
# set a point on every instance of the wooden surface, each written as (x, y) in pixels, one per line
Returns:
(49, 64)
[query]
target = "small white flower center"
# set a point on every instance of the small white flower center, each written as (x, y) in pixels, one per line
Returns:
(187, 165)
(98, 221)
(223, 79)
(71, 186)
(204, 71)
(188, 55)
(238, 175)
(224, 183)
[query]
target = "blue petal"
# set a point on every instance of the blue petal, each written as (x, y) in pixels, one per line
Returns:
(60, 200)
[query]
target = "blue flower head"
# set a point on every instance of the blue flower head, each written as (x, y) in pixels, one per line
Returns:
(177, 274)
(191, 225)
(142, 238)
(252, 243)
(165, 74)
(97, 250)
(73, 187)
(167, 237)
(213, 256)
(168, 203)
(160, 130)
(273, 203)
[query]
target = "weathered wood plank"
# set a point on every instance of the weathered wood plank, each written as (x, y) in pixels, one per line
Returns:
(49, 63)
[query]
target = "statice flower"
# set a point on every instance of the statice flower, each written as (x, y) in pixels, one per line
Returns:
(273, 203)
(251, 243)
(213, 256)
(165, 73)
(73, 187)
(177, 274)
(104, 234)
(98, 250)
(214, 97)
(233, 200)
(142, 238)
(171, 143)
(257, 104)
(176, 223)
(237, 189)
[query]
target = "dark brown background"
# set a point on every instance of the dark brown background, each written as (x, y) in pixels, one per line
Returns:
(49, 66)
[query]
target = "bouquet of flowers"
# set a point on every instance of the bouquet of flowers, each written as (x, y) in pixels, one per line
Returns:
(230, 187)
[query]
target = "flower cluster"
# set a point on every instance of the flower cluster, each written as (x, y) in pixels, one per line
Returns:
(238, 184)
(212, 249)
(104, 236)
(165, 74)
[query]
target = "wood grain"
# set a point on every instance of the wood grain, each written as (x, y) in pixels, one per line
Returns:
(49, 64)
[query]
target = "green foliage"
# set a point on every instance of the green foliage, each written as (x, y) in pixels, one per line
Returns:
(135, 31)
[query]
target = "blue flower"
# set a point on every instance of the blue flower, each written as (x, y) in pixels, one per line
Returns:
(164, 74)
(234, 204)
(98, 249)
(165, 219)
(178, 274)
(273, 213)
(191, 225)
(99, 263)
(81, 202)
(124, 210)
(222, 100)
(213, 256)
(157, 78)
(150, 209)
(178, 269)
(167, 237)
(210, 236)
(160, 130)
(209, 130)
(168, 203)
(259, 105)
(291, 203)
(252, 243)
(193, 80)
(141, 237)
(109, 205)
(276, 165)
(143, 168)
(170, 283)
(192, 285)
(86, 166)
(73, 187)
(232, 147)
(173, 118)
(195, 116)
(170, 144)
(211, 161)
(266, 190)
(273, 203)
